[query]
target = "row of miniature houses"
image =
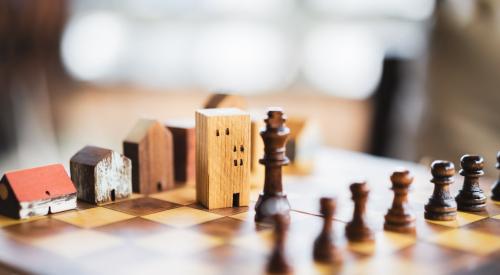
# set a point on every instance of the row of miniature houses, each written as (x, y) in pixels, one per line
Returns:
(98, 175)
(155, 158)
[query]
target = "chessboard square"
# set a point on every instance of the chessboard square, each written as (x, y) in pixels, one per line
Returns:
(182, 217)
(142, 206)
(385, 243)
(491, 226)
(223, 227)
(389, 265)
(468, 240)
(174, 267)
(6, 221)
(133, 228)
(184, 196)
(463, 218)
(178, 243)
(76, 244)
(496, 217)
(258, 241)
(38, 228)
(92, 217)
(228, 211)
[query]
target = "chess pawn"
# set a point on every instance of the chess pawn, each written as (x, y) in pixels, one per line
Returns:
(356, 229)
(324, 249)
(399, 217)
(441, 205)
(495, 190)
(273, 200)
(277, 262)
(471, 197)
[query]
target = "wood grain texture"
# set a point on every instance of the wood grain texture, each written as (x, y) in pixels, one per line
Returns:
(149, 146)
(257, 151)
(101, 175)
(183, 134)
(222, 157)
(36, 192)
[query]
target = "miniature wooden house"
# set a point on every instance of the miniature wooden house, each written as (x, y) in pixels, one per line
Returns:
(301, 146)
(36, 192)
(222, 157)
(101, 175)
(183, 134)
(150, 148)
(221, 100)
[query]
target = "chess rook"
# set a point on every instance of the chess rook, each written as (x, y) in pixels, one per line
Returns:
(495, 190)
(441, 205)
(357, 230)
(273, 200)
(324, 248)
(399, 217)
(277, 262)
(471, 197)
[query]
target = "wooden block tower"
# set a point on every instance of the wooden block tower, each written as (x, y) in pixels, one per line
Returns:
(222, 157)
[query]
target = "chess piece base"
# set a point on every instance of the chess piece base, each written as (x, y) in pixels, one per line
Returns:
(325, 252)
(269, 205)
(357, 233)
(474, 202)
(400, 223)
(440, 216)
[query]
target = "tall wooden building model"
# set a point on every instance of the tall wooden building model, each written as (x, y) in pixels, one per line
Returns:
(222, 157)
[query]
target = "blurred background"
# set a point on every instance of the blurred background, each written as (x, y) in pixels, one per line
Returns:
(415, 79)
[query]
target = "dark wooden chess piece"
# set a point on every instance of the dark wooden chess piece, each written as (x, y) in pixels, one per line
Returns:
(399, 217)
(441, 205)
(324, 248)
(273, 200)
(471, 197)
(277, 262)
(357, 230)
(495, 190)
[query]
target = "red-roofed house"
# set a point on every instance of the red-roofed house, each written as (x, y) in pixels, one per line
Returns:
(36, 192)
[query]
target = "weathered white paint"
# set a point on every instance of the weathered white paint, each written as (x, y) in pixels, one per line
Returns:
(113, 173)
(42, 207)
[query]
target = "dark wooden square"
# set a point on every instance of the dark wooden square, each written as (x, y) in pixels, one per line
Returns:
(142, 206)
(133, 228)
(39, 228)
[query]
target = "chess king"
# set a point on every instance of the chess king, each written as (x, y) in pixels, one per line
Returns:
(273, 200)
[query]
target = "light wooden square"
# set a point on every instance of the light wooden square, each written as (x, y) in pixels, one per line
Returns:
(389, 265)
(179, 242)
(77, 243)
(182, 217)
(496, 217)
(182, 196)
(92, 217)
(385, 243)
(261, 241)
(462, 219)
(468, 241)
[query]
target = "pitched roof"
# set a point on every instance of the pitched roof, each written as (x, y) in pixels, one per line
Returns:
(90, 155)
(40, 183)
(141, 129)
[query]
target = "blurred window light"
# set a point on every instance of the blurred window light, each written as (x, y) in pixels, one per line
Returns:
(251, 7)
(343, 61)
(159, 55)
(409, 9)
(249, 58)
(92, 45)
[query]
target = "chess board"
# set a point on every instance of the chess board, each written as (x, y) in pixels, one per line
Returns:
(168, 233)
